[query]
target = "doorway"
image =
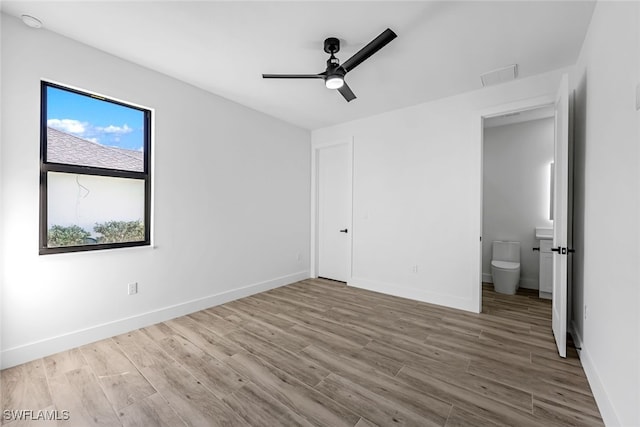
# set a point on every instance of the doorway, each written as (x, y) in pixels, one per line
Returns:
(561, 206)
(518, 154)
(332, 210)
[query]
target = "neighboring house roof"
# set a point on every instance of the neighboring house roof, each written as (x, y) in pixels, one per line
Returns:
(69, 149)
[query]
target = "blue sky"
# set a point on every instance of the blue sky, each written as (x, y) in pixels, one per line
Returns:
(98, 121)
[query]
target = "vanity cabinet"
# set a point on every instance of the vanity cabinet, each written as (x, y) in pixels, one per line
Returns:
(546, 268)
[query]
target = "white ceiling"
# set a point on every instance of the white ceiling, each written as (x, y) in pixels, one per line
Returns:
(224, 47)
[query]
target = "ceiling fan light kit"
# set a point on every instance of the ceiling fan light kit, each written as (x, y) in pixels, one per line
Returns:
(334, 82)
(335, 73)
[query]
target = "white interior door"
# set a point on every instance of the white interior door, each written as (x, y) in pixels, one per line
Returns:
(334, 212)
(560, 216)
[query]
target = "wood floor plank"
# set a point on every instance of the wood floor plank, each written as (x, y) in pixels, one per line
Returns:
(158, 332)
(551, 360)
(251, 313)
(528, 377)
(326, 339)
(354, 322)
(527, 342)
(298, 367)
(482, 386)
(365, 423)
(63, 362)
(417, 355)
(566, 397)
(288, 303)
(552, 413)
(258, 408)
(121, 381)
(461, 418)
(376, 327)
(79, 392)
(314, 406)
(221, 310)
(331, 300)
(252, 304)
(378, 409)
(489, 322)
(277, 336)
(326, 326)
(24, 387)
(214, 344)
(150, 411)
(211, 372)
(484, 407)
(498, 310)
(213, 322)
(475, 348)
(188, 397)
(387, 387)
(378, 361)
(319, 299)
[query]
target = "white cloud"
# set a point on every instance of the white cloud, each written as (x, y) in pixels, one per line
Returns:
(85, 130)
(68, 125)
(119, 130)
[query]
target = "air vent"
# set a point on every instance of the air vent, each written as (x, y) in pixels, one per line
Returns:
(500, 75)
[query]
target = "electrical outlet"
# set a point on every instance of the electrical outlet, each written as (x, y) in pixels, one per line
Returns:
(585, 312)
(132, 288)
(299, 257)
(414, 269)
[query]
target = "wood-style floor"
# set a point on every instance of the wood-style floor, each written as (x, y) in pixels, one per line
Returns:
(318, 353)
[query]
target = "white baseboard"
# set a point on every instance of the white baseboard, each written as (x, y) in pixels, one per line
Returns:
(525, 282)
(413, 293)
(27, 352)
(605, 407)
(545, 295)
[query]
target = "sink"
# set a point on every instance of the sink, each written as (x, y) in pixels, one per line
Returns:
(543, 233)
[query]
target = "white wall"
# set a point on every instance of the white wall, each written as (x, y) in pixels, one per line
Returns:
(1, 207)
(607, 206)
(516, 191)
(417, 193)
(231, 203)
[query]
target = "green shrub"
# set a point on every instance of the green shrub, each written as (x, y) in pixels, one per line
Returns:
(120, 231)
(72, 235)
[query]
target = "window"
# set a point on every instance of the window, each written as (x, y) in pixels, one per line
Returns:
(95, 183)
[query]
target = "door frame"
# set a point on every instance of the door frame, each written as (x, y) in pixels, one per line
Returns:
(478, 134)
(315, 212)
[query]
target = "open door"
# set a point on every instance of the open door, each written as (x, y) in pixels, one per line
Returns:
(561, 216)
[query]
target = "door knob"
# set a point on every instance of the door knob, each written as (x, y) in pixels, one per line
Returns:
(344, 231)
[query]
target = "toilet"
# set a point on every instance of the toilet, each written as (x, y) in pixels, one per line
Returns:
(505, 266)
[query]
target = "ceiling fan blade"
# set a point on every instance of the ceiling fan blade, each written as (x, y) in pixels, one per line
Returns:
(346, 91)
(373, 46)
(293, 76)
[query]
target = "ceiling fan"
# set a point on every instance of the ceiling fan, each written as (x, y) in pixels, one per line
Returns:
(334, 75)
